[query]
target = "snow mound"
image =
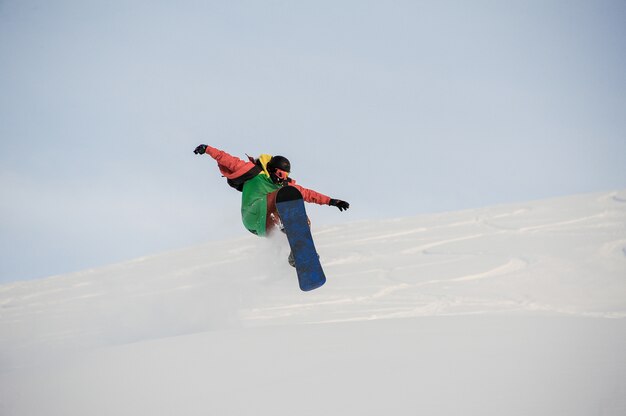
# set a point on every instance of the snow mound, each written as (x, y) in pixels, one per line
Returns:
(512, 309)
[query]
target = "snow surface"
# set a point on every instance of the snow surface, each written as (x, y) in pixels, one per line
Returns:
(508, 310)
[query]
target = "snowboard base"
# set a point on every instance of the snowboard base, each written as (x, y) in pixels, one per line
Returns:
(290, 206)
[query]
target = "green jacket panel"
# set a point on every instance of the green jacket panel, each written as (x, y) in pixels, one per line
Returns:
(254, 203)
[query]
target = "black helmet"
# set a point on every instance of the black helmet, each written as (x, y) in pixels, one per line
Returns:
(278, 168)
(279, 162)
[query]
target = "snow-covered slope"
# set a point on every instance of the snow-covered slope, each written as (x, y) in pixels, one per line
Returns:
(514, 309)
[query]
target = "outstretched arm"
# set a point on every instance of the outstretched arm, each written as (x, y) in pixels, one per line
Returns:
(310, 195)
(229, 165)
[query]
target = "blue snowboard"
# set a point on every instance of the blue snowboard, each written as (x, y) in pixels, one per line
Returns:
(290, 206)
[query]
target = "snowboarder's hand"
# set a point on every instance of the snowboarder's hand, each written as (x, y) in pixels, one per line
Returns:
(200, 150)
(342, 205)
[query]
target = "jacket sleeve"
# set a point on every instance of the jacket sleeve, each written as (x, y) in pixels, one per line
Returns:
(230, 166)
(310, 195)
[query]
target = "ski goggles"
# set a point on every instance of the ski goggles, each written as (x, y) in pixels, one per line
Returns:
(281, 174)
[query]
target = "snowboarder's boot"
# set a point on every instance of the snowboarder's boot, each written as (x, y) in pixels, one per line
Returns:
(291, 259)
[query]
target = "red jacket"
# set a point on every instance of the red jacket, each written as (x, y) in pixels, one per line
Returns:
(234, 168)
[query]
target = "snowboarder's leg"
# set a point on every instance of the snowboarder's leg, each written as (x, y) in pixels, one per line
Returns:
(272, 220)
(254, 216)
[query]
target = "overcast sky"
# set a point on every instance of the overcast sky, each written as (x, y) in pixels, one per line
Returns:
(399, 107)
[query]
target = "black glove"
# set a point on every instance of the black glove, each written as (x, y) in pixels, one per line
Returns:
(200, 150)
(342, 205)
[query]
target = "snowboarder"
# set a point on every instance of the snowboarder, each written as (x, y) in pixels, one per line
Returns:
(259, 180)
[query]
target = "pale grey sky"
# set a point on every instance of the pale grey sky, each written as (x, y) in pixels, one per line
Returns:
(399, 107)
